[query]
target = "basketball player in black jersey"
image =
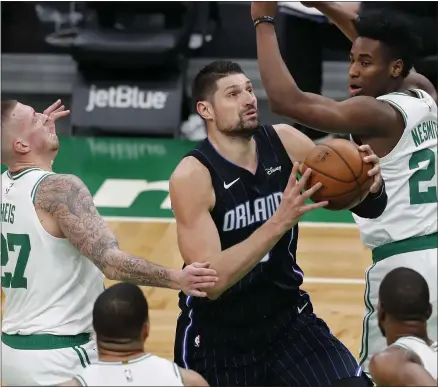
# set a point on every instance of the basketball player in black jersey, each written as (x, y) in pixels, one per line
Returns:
(237, 203)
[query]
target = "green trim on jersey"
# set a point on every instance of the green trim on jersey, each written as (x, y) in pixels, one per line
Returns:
(44, 342)
(400, 109)
(425, 242)
(21, 172)
(35, 187)
(135, 360)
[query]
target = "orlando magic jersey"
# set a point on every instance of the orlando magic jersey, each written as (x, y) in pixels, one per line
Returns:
(244, 201)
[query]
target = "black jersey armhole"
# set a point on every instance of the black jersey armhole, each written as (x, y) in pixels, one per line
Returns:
(277, 145)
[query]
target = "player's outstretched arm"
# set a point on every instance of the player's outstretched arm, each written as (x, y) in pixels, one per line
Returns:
(198, 237)
(363, 116)
(70, 203)
(344, 17)
(399, 367)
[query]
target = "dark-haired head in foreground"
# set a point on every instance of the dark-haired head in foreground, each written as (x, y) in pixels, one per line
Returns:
(225, 100)
(403, 311)
(404, 306)
(383, 53)
(121, 321)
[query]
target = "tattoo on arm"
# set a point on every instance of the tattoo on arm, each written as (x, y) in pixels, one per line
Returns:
(69, 201)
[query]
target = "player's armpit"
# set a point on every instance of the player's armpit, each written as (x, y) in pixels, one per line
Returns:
(296, 143)
(70, 203)
(399, 367)
(192, 378)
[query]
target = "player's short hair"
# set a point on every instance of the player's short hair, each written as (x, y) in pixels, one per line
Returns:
(392, 29)
(6, 108)
(404, 295)
(120, 312)
(204, 84)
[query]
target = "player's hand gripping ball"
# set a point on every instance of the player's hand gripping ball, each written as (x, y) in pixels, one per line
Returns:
(347, 173)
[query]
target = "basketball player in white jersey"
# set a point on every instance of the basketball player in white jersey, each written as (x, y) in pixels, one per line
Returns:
(400, 126)
(403, 311)
(54, 249)
(121, 323)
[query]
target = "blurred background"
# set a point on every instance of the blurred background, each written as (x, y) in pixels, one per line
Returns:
(124, 69)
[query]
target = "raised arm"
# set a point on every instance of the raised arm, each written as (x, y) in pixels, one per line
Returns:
(344, 17)
(340, 14)
(69, 202)
(363, 116)
(399, 367)
(198, 237)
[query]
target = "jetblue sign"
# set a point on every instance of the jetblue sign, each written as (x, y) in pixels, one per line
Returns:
(126, 107)
(124, 97)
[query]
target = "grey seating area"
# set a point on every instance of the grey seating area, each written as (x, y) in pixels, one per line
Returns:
(125, 68)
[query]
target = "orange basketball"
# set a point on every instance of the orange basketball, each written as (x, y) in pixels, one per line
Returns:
(338, 165)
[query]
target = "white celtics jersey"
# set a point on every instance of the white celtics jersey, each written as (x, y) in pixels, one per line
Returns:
(410, 174)
(428, 355)
(148, 370)
(50, 287)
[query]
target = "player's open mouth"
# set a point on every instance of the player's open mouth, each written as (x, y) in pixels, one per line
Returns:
(251, 113)
(354, 89)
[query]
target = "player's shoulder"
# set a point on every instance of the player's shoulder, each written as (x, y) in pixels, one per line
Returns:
(56, 183)
(189, 170)
(409, 342)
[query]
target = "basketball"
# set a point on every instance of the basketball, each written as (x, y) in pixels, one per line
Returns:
(338, 165)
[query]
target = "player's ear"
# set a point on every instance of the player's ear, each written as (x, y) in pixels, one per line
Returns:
(205, 110)
(145, 330)
(21, 146)
(397, 68)
(429, 311)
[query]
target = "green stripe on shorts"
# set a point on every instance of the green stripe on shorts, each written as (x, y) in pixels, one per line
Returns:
(80, 356)
(85, 354)
(366, 321)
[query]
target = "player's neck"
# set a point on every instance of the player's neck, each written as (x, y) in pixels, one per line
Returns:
(397, 86)
(120, 352)
(19, 165)
(410, 329)
(238, 150)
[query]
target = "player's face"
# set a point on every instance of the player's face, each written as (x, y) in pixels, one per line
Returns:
(234, 106)
(38, 129)
(370, 72)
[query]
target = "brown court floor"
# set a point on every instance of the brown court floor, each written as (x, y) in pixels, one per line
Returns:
(333, 260)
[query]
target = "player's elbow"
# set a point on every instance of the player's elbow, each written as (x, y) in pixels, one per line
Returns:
(281, 106)
(216, 291)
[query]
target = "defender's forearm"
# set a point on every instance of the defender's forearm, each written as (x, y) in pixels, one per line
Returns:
(279, 84)
(121, 266)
